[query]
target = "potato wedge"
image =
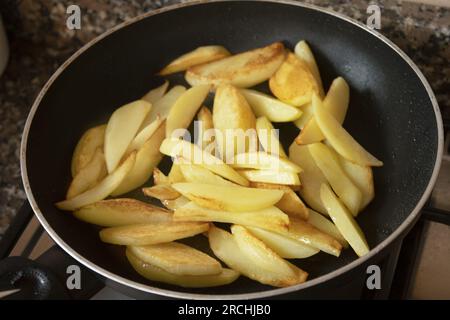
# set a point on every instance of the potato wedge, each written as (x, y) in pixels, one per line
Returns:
(103, 189)
(229, 198)
(195, 57)
(153, 273)
(184, 109)
(161, 192)
(243, 70)
(303, 52)
(177, 258)
(147, 158)
(122, 127)
(151, 233)
(285, 247)
(267, 106)
(290, 203)
(192, 153)
(226, 249)
(307, 113)
(269, 176)
(344, 221)
(329, 164)
(293, 82)
(161, 108)
(160, 178)
(311, 176)
(270, 218)
(84, 151)
(145, 134)
(89, 175)
(340, 139)
(264, 161)
(206, 138)
(232, 117)
(175, 174)
(197, 174)
(121, 212)
(157, 93)
(336, 102)
(175, 203)
(325, 225)
(268, 137)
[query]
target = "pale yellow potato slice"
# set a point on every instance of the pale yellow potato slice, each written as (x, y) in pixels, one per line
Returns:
(269, 218)
(285, 247)
(264, 161)
(269, 176)
(194, 154)
(259, 252)
(103, 189)
(243, 70)
(311, 176)
(147, 158)
(84, 151)
(184, 109)
(153, 273)
(122, 127)
(161, 192)
(229, 198)
(336, 102)
(121, 212)
(268, 137)
(206, 130)
(293, 82)
(157, 93)
(226, 249)
(175, 203)
(329, 164)
(303, 51)
(175, 174)
(197, 174)
(290, 203)
(160, 178)
(161, 107)
(89, 175)
(344, 221)
(265, 105)
(144, 135)
(232, 117)
(177, 258)
(340, 139)
(325, 225)
(195, 57)
(307, 113)
(151, 233)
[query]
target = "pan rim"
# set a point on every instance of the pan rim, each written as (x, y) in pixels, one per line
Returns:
(412, 217)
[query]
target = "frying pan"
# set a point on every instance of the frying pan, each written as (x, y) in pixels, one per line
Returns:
(392, 112)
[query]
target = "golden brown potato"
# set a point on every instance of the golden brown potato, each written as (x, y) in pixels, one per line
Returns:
(161, 192)
(303, 52)
(206, 137)
(84, 151)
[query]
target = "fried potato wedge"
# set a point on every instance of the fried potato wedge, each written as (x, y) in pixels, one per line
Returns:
(329, 164)
(285, 247)
(175, 203)
(243, 70)
(344, 221)
(226, 249)
(160, 178)
(304, 53)
(122, 127)
(177, 258)
(325, 225)
(151, 233)
(103, 189)
(145, 134)
(197, 174)
(195, 57)
(264, 161)
(206, 137)
(268, 176)
(192, 153)
(161, 192)
(293, 82)
(307, 113)
(88, 176)
(175, 174)
(268, 137)
(147, 158)
(267, 106)
(269, 218)
(340, 139)
(228, 198)
(311, 176)
(184, 109)
(154, 273)
(157, 93)
(84, 151)
(336, 102)
(121, 212)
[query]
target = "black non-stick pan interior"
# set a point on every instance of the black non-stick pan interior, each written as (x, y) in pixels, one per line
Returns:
(390, 112)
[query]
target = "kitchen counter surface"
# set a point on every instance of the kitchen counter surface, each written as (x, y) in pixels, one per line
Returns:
(40, 42)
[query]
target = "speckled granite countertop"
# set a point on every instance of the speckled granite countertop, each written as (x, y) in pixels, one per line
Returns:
(40, 42)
